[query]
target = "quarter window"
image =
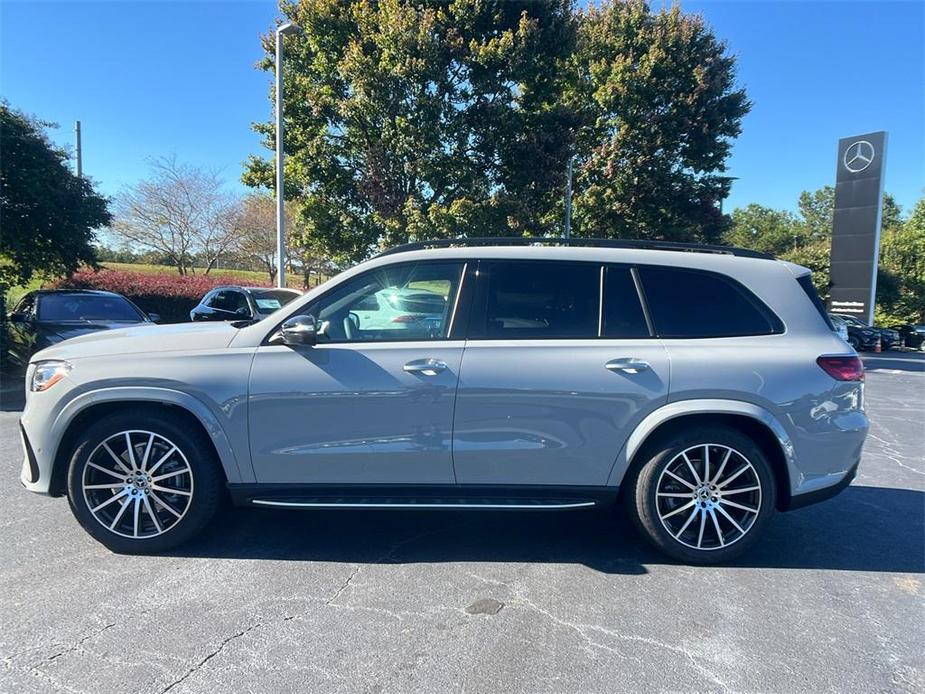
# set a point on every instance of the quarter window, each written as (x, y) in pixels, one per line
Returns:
(538, 300)
(690, 303)
(623, 315)
(402, 302)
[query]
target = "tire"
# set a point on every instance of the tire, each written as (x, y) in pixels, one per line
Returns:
(678, 523)
(176, 487)
(855, 345)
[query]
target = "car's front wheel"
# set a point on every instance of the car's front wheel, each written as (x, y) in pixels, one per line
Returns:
(143, 482)
(704, 495)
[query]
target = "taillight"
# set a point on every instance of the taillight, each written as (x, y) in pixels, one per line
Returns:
(842, 368)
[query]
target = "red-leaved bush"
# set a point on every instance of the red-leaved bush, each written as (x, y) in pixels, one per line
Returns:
(171, 296)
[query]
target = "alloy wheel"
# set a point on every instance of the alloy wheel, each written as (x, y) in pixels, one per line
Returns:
(137, 484)
(708, 496)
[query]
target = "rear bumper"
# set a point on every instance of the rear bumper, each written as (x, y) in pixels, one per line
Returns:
(817, 495)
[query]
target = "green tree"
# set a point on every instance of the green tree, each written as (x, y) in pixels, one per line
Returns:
(764, 229)
(901, 276)
(49, 215)
(422, 119)
(657, 92)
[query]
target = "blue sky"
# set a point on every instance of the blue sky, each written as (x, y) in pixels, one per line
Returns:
(155, 78)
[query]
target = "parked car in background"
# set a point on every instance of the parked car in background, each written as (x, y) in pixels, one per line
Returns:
(862, 337)
(47, 316)
(241, 303)
(575, 376)
(840, 326)
(889, 338)
(913, 336)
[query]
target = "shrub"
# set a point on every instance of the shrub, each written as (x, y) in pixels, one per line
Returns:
(171, 296)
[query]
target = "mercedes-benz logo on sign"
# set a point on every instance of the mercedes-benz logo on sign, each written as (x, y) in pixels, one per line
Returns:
(858, 156)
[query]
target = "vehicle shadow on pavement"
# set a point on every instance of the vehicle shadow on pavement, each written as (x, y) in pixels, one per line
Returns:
(895, 361)
(863, 529)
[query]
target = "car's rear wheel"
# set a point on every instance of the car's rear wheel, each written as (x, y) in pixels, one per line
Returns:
(855, 344)
(704, 495)
(143, 482)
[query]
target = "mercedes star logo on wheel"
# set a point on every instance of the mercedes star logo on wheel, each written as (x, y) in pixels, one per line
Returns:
(858, 156)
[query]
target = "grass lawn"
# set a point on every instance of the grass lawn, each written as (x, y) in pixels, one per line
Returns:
(246, 276)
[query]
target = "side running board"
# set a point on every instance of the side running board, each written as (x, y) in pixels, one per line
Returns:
(405, 503)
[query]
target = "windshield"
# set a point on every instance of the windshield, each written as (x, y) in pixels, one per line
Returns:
(270, 301)
(83, 307)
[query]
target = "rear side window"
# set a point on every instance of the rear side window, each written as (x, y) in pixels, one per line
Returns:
(537, 300)
(806, 282)
(691, 303)
(623, 315)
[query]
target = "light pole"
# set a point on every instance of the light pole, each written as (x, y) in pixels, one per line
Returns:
(281, 30)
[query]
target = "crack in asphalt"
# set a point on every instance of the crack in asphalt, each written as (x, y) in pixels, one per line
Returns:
(209, 656)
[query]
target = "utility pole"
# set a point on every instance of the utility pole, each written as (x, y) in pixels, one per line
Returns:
(80, 168)
(568, 198)
(281, 30)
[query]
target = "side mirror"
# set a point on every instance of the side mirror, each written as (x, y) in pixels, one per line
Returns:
(300, 330)
(154, 317)
(18, 318)
(243, 313)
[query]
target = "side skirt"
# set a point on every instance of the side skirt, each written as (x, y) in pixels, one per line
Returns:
(422, 497)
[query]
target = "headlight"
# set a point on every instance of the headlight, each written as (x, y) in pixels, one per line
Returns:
(47, 373)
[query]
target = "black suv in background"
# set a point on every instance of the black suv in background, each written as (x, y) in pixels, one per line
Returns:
(889, 338)
(241, 303)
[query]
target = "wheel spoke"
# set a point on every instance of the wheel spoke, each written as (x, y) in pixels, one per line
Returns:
(166, 505)
(118, 460)
(679, 509)
(168, 490)
(114, 497)
(703, 524)
(687, 460)
(690, 518)
(125, 505)
(150, 510)
(170, 474)
(674, 495)
(742, 469)
(730, 519)
(115, 474)
(719, 533)
(681, 480)
(162, 460)
(706, 463)
(117, 485)
(728, 492)
(725, 502)
(722, 466)
(137, 510)
(147, 453)
(130, 450)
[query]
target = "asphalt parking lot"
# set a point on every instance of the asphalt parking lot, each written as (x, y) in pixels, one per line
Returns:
(832, 600)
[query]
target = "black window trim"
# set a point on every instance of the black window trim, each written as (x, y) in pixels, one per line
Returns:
(774, 321)
(307, 308)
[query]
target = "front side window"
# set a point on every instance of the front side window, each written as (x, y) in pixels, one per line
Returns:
(537, 300)
(404, 302)
(689, 304)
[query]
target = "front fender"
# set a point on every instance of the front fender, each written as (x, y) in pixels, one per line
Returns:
(681, 408)
(168, 396)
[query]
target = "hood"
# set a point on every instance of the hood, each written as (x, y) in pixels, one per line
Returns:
(146, 337)
(68, 329)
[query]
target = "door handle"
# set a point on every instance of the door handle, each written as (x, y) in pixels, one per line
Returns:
(627, 365)
(425, 367)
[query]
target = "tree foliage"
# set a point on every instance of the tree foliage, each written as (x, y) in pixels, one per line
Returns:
(49, 215)
(658, 92)
(179, 210)
(438, 118)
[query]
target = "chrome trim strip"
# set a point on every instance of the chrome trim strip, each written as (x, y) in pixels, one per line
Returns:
(355, 504)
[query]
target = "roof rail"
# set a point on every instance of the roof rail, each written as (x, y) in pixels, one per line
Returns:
(579, 242)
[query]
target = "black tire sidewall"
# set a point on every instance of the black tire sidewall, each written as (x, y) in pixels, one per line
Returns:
(199, 454)
(643, 501)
